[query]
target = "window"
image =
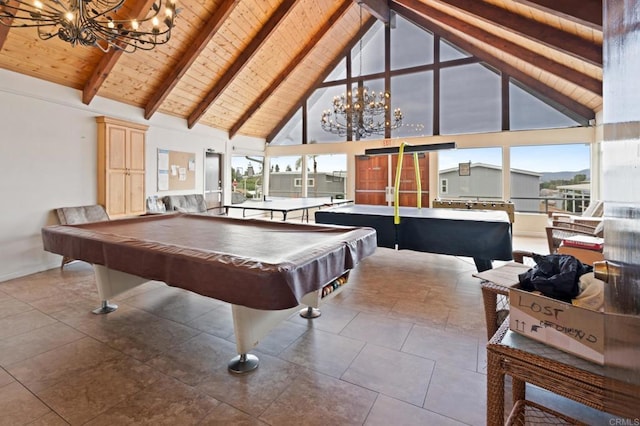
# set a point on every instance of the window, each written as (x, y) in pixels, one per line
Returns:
(247, 175)
(282, 174)
(485, 180)
(551, 178)
(298, 182)
(410, 45)
(444, 185)
(330, 173)
(291, 133)
(317, 103)
(413, 94)
(528, 112)
(470, 100)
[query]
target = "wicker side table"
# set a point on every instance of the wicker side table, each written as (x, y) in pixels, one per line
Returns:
(494, 312)
(529, 361)
(529, 413)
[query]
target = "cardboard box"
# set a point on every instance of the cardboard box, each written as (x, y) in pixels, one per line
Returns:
(562, 325)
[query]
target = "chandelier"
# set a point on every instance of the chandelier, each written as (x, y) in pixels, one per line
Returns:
(360, 111)
(92, 22)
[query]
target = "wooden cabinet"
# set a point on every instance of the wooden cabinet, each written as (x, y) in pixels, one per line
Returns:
(121, 167)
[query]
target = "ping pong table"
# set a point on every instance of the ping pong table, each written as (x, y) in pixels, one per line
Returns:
(286, 205)
(484, 235)
(264, 269)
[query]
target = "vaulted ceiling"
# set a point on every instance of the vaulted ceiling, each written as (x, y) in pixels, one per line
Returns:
(244, 66)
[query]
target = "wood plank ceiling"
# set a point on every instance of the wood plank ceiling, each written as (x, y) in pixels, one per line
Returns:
(243, 65)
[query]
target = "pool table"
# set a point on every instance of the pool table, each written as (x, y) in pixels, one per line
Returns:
(264, 269)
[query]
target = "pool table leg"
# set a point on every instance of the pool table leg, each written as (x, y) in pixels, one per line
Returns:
(251, 325)
(111, 283)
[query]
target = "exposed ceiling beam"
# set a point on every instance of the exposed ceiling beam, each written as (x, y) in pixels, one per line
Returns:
(378, 8)
(592, 84)
(140, 9)
(547, 35)
(584, 12)
(4, 30)
(330, 66)
(189, 56)
(573, 108)
(229, 74)
(286, 71)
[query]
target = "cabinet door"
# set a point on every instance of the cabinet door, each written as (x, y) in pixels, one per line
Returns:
(116, 194)
(136, 199)
(117, 148)
(136, 150)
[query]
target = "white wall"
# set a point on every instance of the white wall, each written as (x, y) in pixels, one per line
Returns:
(48, 159)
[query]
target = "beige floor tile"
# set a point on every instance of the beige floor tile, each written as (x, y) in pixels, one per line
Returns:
(398, 375)
(224, 415)
(132, 331)
(10, 306)
(388, 411)
(195, 361)
(81, 396)
(253, 392)
(23, 322)
(458, 393)
(218, 322)
(5, 378)
(47, 369)
(443, 347)
(323, 352)
(317, 399)
(164, 402)
(23, 346)
(19, 406)
(430, 312)
(378, 330)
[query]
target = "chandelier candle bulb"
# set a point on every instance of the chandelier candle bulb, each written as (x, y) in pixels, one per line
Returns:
(92, 22)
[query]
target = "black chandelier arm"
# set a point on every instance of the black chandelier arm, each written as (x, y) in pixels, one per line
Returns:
(87, 22)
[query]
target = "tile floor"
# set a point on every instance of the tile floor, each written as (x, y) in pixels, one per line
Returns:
(403, 343)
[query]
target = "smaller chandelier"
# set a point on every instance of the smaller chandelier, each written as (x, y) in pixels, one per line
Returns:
(91, 22)
(362, 112)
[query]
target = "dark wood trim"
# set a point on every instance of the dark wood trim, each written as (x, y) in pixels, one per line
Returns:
(549, 36)
(189, 56)
(404, 71)
(559, 99)
(335, 16)
(436, 85)
(583, 12)
(546, 64)
(378, 8)
(387, 80)
(230, 73)
(109, 60)
(330, 66)
(304, 124)
(506, 101)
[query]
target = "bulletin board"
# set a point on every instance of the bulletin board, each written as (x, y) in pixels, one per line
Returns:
(176, 170)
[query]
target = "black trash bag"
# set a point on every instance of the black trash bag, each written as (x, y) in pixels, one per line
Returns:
(555, 275)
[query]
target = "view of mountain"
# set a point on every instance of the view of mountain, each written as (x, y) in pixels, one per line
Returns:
(549, 176)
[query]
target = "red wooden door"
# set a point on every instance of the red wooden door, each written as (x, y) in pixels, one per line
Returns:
(371, 179)
(408, 186)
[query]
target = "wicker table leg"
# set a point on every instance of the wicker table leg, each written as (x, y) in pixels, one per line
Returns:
(495, 390)
(490, 299)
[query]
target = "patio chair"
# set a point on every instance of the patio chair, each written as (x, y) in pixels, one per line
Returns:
(555, 234)
(590, 216)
